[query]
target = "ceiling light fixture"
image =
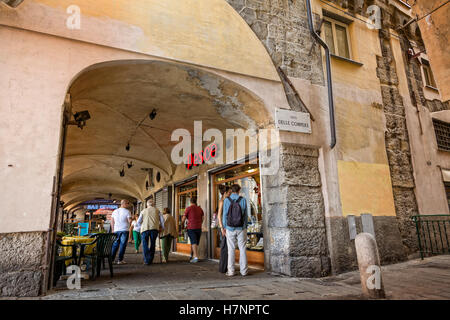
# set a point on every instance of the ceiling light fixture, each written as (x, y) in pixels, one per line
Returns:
(80, 119)
(129, 165)
(127, 147)
(122, 172)
(152, 114)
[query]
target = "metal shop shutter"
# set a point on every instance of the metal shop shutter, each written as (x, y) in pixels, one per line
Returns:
(159, 200)
(165, 199)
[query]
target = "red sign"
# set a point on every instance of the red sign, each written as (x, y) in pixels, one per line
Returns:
(194, 160)
(104, 212)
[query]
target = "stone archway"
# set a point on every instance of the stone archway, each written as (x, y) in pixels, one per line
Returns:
(119, 96)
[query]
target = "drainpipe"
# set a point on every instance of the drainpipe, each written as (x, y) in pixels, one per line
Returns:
(329, 84)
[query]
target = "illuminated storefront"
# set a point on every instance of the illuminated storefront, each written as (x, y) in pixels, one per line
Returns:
(183, 194)
(248, 177)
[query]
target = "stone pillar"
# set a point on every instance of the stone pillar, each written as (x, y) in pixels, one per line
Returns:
(398, 148)
(22, 263)
(294, 219)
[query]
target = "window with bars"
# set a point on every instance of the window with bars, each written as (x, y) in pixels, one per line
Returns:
(442, 131)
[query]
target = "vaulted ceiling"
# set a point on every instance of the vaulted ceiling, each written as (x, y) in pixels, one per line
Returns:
(119, 97)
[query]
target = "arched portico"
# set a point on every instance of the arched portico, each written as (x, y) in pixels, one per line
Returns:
(119, 96)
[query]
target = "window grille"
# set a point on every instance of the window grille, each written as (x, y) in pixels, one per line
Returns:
(442, 131)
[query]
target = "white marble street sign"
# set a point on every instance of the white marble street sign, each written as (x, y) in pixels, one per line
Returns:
(288, 120)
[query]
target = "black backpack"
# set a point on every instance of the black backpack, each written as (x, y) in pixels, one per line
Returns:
(235, 216)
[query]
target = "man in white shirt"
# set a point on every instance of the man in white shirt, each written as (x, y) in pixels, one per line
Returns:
(120, 224)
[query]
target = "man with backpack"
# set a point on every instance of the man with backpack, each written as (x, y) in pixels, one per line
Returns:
(235, 221)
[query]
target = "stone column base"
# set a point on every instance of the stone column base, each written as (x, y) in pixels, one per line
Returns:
(22, 269)
(295, 236)
(387, 235)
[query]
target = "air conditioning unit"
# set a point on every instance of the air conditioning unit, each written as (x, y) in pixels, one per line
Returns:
(12, 3)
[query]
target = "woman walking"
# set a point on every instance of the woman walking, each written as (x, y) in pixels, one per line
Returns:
(136, 232)
(169, 233)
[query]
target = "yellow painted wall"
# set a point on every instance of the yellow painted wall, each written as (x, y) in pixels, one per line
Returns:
(363, 170)
(365, 188)
(360, 118)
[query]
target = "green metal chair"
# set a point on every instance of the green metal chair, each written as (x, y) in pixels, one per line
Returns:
(60, 261)
(102, 250)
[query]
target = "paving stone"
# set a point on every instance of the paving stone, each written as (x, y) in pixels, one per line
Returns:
(415, 279)
(215, 294)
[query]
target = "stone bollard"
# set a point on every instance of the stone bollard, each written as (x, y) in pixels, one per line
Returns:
(369, 266)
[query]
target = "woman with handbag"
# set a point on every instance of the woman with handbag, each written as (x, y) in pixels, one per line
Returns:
(169, 233)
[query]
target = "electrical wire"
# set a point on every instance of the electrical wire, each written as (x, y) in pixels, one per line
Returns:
(432, 11)
(137, 127)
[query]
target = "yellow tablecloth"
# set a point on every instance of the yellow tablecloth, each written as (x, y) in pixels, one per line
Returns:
(67, 251)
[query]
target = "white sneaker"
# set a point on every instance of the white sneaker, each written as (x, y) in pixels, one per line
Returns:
(194, 260)
(121, 262)
(229, 274)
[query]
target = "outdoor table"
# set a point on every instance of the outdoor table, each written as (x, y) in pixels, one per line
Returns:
(75, 240)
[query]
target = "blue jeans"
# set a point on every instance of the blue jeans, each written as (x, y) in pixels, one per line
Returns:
(149, 254)
(122, 238)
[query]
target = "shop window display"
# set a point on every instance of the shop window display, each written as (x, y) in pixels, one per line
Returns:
(247, 176)
(184, 194)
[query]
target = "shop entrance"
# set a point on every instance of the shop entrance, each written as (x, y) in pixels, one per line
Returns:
(248, 177)
(184, 192)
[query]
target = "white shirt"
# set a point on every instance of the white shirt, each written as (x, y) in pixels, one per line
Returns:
(136, 226)
(120, 217)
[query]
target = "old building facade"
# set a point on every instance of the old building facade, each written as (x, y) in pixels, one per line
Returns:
(230, 64)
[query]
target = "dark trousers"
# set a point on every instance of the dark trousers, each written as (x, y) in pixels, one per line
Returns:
(166, 243)
(149, 253)
(223, 262)
(122, 239)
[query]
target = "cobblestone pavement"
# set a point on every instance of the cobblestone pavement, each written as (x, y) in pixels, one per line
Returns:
(179, 279)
